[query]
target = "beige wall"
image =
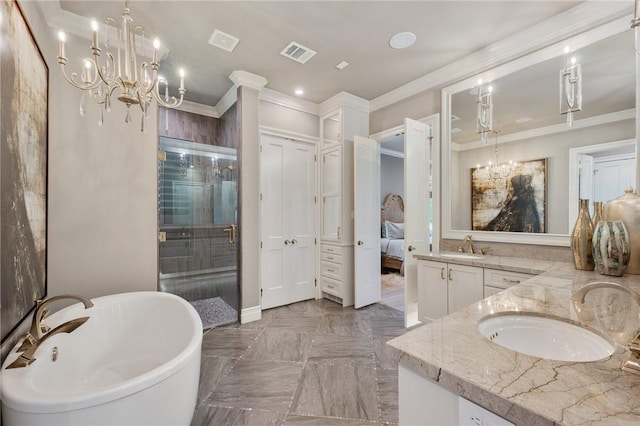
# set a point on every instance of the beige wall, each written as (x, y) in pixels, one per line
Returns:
(102, 218)
(418, 106)
(284, 118)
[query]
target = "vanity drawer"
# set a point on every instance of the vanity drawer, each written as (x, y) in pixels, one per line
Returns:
(331, 249)
(331, 257)
(329, 269)
(331, 286)
(503, 279)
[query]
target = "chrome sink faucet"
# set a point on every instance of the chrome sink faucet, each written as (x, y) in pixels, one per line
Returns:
(633, 363)
(40, 332)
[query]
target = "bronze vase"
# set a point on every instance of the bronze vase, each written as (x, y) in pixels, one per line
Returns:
(581, 239)
(626, 208)
(597, 213)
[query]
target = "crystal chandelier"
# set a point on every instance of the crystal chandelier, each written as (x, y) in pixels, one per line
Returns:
(135, 85)
(495, 170)
(485, 111)
(570, 87)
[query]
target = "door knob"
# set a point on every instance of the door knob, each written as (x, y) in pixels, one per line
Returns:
(232, 233)
(411, 248)
(360, 242)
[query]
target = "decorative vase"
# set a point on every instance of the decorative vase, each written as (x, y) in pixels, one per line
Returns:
(611, 248)
(626, 208)
(582, 239)
(597, 213)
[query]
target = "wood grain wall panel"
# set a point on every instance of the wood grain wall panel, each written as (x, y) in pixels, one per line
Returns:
(200, 128)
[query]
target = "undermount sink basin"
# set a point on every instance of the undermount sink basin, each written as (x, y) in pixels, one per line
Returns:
(544, 337)
(461, 255)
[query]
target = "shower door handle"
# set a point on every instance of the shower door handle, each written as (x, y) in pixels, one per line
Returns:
(232, 233)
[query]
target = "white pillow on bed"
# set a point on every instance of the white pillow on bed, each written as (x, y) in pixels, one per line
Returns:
(393, 230)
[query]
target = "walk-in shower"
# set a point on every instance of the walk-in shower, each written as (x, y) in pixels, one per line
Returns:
(197, 218)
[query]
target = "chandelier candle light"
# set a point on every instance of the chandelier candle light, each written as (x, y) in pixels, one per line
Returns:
(496, 170)
(485, 111)
(570, 87)
(135, 85)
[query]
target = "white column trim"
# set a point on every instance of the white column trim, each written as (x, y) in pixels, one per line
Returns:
(200, 109)
(251, 314)
(286, 134)
(246, 79)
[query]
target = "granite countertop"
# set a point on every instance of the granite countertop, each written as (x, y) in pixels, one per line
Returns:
(521, 388)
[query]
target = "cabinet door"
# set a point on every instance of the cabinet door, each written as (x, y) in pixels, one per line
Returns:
(432, 290)
(465, 286)
(331, 193)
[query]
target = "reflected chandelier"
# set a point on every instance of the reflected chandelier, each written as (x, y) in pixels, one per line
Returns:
(485, 112)
(135, 85)
(570, 87)
(496, 170)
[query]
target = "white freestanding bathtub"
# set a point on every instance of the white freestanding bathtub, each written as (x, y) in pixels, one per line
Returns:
(136, 361)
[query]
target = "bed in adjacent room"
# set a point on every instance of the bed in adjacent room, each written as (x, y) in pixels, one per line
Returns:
(392, 232)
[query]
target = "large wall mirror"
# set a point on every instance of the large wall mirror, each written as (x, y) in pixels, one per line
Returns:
(539, 154)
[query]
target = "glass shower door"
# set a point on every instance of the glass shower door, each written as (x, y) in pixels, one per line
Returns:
(197, 216)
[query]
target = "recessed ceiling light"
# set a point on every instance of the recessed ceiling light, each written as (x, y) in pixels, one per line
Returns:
(299, 92)
(402, 40)
(522, 120)
(342, 65)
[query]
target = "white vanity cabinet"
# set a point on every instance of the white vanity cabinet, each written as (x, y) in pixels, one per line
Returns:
(495, 280)
(446, 287)
(342, 118)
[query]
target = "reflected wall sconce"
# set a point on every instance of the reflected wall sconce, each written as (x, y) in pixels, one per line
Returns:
(485, 111)
(135, 84)
(570, 87)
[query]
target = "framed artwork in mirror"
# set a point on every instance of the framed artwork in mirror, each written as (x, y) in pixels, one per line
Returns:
(510, 197)
(23, 185)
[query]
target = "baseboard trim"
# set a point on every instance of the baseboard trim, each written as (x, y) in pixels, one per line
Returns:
(251, 314)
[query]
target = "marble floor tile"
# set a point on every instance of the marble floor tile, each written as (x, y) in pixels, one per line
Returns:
(303, 322)
(212, 369)
(352, 324)
(265, 385)
(346, 391)
(280, 345)
(382, 354)
(336, 349)
(227, 341)
(222, 416)
(388, 394)
(378, 310)
(387, 327)
(293, 420)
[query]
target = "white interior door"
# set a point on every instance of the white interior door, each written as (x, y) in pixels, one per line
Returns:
(366, 211)
(416, 216)
(612, 176)
(274, 250)
(300, 169)
(585, 171)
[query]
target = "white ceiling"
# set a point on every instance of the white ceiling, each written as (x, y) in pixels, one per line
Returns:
(354, 31)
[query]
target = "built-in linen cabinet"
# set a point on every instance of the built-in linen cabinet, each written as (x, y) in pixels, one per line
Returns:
(343, 117)
(444, 288)
(495, 281)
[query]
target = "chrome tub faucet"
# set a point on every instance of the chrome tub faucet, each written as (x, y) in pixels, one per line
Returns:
(40, 332)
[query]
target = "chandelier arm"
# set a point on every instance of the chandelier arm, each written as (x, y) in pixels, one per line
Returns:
(174, 103)
(80, 85)
(108, 79)
(154, 78)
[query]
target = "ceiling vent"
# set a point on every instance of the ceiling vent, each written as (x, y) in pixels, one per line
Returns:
(224, 41)
(298, 52)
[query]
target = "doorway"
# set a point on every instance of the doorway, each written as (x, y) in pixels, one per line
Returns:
(197, 219)
(392, 221)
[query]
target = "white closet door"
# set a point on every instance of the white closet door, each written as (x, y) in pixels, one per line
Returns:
(288, 214)
(275, 291)
(366, 186)
(300, 172)
(416, 203)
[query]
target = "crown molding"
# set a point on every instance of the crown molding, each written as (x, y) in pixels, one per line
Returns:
(227, 101)
(247, 79)
(344, 99)
(598, 120)
(288, 101)
(58, 18)
(553, 30)
(199, 109)
(286, 134)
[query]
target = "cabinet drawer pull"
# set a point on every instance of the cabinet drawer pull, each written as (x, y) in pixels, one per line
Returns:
(507, 280)
(450, 274)
(442, 273)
